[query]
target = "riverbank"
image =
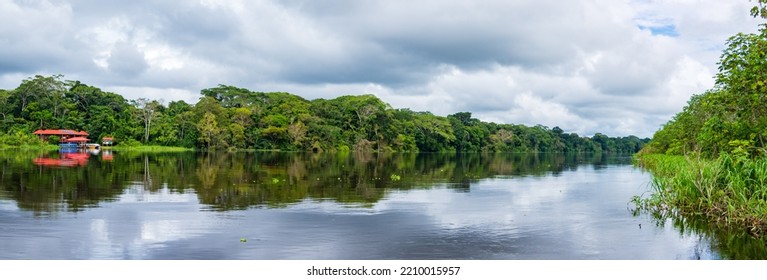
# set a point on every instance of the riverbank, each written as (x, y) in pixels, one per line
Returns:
(143, 148)
(49, 147)
(729, 191)
(30, 147)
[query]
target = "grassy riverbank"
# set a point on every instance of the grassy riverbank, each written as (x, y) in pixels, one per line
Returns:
(143, 148)
(728, 190)
(49, 147)
(44, 147)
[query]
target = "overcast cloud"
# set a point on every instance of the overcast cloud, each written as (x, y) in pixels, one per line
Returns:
(618, 67)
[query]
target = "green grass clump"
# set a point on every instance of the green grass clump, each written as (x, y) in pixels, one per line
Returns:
(729, 190)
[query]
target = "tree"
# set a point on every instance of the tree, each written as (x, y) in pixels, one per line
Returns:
(228, 96)
(237, 135)
(165, 130)
(40, 86)
(742, 81)
(433, 133)
(732, 115)
(297, 132)
(502, 140)
(177, 125)
(604, 142)
(39, 115)
(470, 134)
(243, 117)
(760, 9)
(276, 135)
(5, 108)
(209, 130)
(211, 105)
(187, 128)
(102, 121)
(230, 116)
(147, 111)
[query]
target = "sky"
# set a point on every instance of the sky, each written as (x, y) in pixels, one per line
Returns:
(619, 67)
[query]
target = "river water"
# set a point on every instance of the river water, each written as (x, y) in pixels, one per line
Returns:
(331, 206)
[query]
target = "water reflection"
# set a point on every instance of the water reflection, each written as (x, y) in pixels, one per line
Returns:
(69, 159)
(331, 206)
(730, 243)
(242, 180)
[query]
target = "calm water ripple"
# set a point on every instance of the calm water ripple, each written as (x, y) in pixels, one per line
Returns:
(296, 206)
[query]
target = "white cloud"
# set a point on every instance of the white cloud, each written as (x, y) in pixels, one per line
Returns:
(126, 60)
(621, 67)
(161, 94)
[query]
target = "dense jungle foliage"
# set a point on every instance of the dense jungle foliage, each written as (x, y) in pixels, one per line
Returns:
(710, 159)
(731, 117)
(227, 117)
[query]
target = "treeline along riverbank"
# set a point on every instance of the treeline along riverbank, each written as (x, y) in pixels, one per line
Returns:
(710, 160)
(228, 117)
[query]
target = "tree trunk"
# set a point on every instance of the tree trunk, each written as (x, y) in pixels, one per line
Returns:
(147, 123)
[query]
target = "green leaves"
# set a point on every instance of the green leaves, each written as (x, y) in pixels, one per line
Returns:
(759, 10)
(734, 112)
(232, 117)
(209, 131)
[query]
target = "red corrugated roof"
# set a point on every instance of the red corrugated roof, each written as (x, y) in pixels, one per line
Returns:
(60, 132)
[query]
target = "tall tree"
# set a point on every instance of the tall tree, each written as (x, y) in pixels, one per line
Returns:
(5, 106)
(39, 86)
(209, 130)
(147, 111)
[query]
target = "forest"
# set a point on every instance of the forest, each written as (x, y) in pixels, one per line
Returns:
(732, 116)
(710, 159)
(229, 117)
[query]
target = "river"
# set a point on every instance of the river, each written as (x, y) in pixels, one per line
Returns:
(282, 206)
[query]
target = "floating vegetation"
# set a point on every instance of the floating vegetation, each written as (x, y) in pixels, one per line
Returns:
(395, 177)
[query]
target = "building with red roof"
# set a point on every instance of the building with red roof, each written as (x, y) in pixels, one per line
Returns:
(108, 141)
(63, 134)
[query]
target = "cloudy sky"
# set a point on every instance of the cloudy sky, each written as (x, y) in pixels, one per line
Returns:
(619, 67)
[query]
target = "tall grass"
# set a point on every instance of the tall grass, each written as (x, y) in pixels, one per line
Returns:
(729, 190)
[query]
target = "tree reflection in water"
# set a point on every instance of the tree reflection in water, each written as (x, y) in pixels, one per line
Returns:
(234, 181)
(227, 181)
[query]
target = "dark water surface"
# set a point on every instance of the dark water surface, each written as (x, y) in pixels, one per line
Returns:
(329, 206)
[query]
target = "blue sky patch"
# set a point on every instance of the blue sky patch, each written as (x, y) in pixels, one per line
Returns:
(662, 30)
